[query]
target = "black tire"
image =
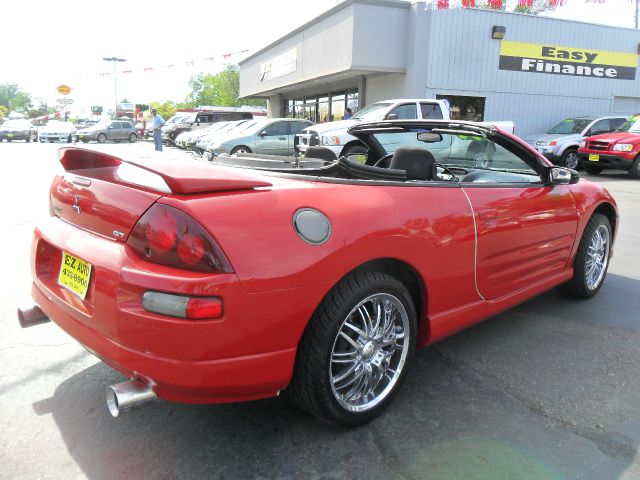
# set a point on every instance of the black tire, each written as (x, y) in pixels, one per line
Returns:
(579, 286)
(240, 149)
(591, 169)
(312, 388)
(634, 170)
(102, 138)
(133, 138)
(570, 159)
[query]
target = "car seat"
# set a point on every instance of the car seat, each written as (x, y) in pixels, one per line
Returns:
(419, 164)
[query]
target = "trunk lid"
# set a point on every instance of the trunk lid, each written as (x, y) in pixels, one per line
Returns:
(107, 195)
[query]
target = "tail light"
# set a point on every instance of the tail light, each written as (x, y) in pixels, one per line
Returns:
(168, 236)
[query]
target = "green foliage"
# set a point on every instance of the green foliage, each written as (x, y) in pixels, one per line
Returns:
(41, 109)
(14, 98)
(221, 89)
(3, 111)
(166, 109)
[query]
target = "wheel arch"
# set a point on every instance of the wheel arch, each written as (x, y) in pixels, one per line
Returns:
(409, 277)
(608, 211)
(568, 146)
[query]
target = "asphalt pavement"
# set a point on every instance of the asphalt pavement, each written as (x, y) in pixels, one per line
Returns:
(547, 390)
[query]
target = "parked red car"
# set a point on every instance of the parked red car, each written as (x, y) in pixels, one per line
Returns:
(619, 149)
(223, 283)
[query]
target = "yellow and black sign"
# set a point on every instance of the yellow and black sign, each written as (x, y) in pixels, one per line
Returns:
(577, 62)
(63, 89)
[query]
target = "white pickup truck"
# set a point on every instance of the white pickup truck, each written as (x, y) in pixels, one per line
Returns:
(334, 136)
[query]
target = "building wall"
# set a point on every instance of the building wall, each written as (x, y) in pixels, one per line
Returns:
(406, 50)
(468, 65)
(348, 38)
(321, 49)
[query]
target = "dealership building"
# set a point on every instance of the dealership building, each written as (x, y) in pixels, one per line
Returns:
(489, 65)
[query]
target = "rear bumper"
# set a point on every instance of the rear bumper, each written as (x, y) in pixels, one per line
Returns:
(606, 160)
(240, 357)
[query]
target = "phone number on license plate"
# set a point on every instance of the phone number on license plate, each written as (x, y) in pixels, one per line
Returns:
(75, 274)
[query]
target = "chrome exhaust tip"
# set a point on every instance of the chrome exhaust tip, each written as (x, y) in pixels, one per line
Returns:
(29, 317)
(125, 396)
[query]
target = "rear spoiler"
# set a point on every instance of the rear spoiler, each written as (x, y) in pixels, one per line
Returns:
(181, 175)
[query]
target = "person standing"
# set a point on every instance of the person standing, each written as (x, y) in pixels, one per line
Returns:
(348, 114)
(158, 121)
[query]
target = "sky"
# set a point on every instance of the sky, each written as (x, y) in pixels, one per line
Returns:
(165, 42)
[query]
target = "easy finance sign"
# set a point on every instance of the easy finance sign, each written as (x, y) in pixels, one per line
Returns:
(577, 62)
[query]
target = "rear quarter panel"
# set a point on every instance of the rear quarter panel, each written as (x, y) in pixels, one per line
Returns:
(429, 228)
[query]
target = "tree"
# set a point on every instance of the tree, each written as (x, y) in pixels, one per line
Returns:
(221, 89)
(166, 109)
(3, 111)
(41, 109)
(14, 98)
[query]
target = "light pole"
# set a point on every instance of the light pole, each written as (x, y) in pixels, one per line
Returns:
(115, 81)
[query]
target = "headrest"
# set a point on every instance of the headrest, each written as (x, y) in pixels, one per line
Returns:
(418, 163)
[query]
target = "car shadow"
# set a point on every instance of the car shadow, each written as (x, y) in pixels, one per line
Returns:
(454, 418)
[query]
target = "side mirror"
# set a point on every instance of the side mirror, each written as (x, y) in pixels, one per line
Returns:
(563, 176)
(263, 133)
(392, 116)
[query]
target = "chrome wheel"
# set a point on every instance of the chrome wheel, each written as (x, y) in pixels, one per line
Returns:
(571, 159)
(369, 352)
(597, 257)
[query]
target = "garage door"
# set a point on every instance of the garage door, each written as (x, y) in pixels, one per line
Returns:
(626, 105)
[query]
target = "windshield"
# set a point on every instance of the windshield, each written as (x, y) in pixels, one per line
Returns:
(372, 112)
(251, 127)
(631, 125)
(459, 150)
(17, 124)
(570, 126)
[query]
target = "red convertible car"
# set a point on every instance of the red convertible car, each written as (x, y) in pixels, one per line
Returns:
(237, 280)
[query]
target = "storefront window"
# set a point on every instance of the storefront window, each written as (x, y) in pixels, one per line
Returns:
(337, 106)
(323, 109)
(352, 100)
(465, 108)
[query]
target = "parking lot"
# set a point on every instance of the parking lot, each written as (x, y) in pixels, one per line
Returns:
(547, 390)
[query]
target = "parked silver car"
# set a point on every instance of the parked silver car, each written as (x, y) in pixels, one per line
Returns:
(270, 137)
(116, 130)
(57, 131)
(560, 144)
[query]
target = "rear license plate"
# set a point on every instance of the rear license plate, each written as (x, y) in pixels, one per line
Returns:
(594, 158)
(74, 274)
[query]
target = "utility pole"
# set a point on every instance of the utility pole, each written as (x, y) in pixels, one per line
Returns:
(115, 81)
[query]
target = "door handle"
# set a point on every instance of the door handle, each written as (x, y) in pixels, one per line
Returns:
(282, 138)
(489, 217)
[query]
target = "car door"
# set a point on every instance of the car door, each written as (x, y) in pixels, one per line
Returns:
(273, 139)
(525, 230)
(113, 131)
